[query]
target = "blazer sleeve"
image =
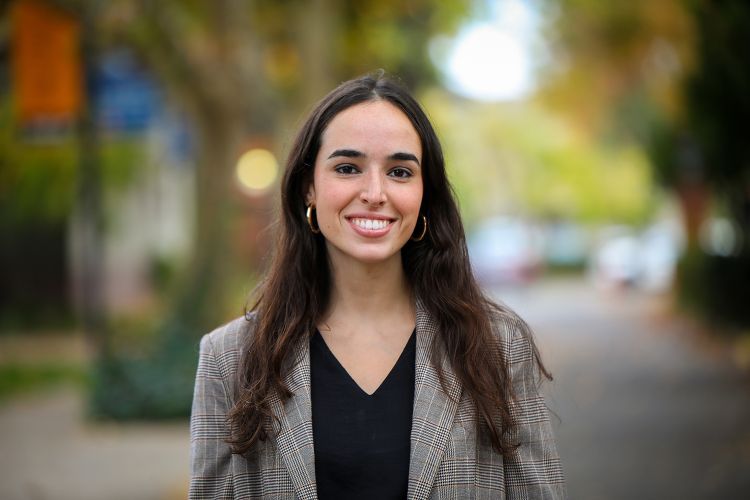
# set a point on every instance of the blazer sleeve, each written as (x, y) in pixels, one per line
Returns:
(533, 470)
(210, 455)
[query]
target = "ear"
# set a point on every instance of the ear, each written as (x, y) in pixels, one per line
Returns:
(310, 196)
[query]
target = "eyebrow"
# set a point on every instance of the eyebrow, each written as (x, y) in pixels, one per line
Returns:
(353, 153)
(404, 157)
(347, 153)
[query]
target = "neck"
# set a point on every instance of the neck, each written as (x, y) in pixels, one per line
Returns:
(369, 292)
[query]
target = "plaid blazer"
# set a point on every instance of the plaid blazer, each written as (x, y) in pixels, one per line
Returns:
(448, 459)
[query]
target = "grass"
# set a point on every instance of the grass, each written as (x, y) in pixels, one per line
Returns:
(16, 378)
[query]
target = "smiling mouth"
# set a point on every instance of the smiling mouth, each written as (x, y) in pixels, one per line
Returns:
(370, 224)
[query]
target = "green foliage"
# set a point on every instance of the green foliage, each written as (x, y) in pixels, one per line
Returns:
(37, 181)
(16, 378)
(38, 190)
(718, 113)
(153, 385)
(148, 369)
(718, 92)
(674, 76)
(394, 35)
(162, 273)
(662, 145)
(520, 158)
(622, 62)
(719, 108)
(715, 287)
(362, 36)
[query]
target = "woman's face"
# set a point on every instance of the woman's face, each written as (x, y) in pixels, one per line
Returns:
(367, 183)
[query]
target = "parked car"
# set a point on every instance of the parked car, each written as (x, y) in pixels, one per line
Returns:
(505, 250)
(645, 259)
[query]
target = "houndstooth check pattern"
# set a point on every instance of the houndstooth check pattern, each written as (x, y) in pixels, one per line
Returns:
(448, 459)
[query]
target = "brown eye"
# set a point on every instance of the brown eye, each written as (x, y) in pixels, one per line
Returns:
(400, 172)
(346, 169)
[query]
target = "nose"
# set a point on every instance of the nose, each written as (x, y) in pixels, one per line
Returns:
(373, 190)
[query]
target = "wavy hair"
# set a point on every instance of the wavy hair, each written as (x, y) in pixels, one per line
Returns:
(295, 292)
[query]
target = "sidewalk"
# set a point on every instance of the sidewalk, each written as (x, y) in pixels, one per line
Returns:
(49, 451)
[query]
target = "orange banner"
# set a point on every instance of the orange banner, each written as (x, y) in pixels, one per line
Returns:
(46, 62)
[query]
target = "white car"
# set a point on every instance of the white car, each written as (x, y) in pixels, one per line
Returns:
(505, 250)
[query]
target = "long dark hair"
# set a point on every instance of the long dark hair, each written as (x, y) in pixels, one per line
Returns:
(295, 292)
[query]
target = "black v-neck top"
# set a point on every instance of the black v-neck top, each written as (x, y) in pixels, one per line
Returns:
(362, 442)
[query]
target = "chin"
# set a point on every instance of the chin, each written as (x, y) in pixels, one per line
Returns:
(374, 258)
(370, 256)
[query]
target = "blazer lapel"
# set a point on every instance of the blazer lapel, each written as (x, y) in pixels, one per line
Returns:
(294, 429)
(434, 410)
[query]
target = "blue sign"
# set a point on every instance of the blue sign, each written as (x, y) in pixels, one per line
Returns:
(127, 96)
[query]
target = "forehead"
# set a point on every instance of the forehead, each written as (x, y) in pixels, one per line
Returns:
(373, 126)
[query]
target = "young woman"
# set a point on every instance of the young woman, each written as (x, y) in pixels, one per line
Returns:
(371, 366)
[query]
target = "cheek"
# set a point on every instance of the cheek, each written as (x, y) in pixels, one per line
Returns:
(329, 197)
(414, 203)
(329, 203)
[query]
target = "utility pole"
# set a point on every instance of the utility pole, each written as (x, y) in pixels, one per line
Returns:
(87, 227)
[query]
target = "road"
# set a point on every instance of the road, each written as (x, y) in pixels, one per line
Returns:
(646, 407)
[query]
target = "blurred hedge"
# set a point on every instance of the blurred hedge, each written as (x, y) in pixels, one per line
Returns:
(153, 385)
(16, 378)
(716, 287)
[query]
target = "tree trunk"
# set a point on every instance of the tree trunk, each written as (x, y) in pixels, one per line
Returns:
(694, 201)
(203, 294)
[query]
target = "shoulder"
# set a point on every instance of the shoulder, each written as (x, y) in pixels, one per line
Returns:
(513, 335)
(224, 344)
(507, 325)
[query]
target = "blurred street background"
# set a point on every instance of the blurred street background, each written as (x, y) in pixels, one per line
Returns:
(598, 150)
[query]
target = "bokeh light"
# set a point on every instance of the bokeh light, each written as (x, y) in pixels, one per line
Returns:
(256, 170)
(491, 59)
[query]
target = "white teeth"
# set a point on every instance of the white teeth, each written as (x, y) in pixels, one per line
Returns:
(371, 223)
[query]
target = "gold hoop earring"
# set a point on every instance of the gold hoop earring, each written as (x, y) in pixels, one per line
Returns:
(424, 230)
(310, 222)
